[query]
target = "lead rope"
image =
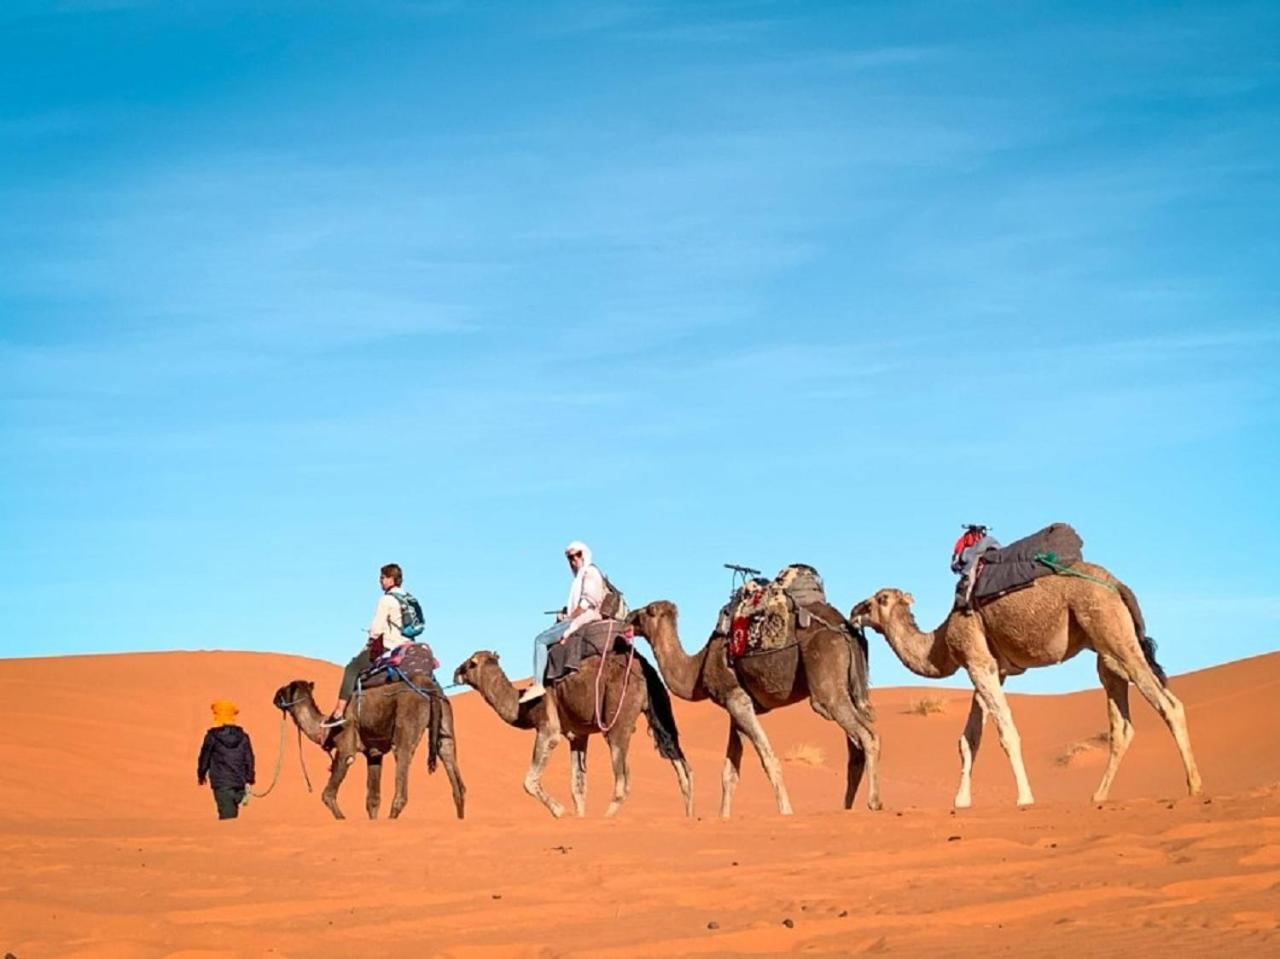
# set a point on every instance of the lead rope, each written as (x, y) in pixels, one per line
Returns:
(626, 678)
(305, 777)
(1051, 560)
(275, 777)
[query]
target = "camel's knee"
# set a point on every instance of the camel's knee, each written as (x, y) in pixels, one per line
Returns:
(870, 743)
(1122, 735)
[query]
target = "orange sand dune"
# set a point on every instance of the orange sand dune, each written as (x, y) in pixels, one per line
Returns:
(111, 850)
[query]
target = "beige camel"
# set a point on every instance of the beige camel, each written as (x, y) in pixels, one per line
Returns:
(569, 709)
(826, 667)
(1042, 624)
(388, 719)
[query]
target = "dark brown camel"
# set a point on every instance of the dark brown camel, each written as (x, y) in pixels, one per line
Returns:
(388, 719)
(569, 708)
(826, 667)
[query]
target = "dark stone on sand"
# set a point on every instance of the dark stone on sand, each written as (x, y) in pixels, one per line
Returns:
(953, 839)
(789, 923)
(713, 924)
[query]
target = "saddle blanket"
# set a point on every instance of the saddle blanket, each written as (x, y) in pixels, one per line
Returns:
(594, 639)
(407, 659)
(1002, 571)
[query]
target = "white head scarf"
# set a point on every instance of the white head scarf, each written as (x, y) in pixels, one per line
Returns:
(575, 591)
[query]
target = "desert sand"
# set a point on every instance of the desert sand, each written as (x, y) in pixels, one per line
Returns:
(111, 850)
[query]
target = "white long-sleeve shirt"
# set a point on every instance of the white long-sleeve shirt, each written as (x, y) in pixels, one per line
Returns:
(593, 593)
(386, 623)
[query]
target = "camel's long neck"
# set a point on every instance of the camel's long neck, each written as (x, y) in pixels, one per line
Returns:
(308, 717)
(496, 690)
(679, 669)
(925, 654)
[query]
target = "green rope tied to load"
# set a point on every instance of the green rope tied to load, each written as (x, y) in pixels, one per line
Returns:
(1051, 560)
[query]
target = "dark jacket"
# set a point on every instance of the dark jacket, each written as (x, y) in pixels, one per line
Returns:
(226, 758)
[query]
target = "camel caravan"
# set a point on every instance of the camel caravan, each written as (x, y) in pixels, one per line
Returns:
(777, 642)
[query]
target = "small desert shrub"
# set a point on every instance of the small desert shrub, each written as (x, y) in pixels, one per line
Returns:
(806, 754)
(926, 706)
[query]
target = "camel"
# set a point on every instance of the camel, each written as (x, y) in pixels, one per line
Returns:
(825, 667)
(1042, 624)
(569, 708)
(388, 719)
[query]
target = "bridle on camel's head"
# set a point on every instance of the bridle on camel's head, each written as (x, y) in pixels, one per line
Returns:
(281, 704)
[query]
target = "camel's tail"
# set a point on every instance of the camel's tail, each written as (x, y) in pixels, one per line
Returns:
(434, 734)
(1146, 642)
(860, 675)
(662, 719)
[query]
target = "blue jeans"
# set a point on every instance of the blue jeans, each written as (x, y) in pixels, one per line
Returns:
(542, 644)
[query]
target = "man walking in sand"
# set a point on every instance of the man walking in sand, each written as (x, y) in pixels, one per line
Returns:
(226, 761)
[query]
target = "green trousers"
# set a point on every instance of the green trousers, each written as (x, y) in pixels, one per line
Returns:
(228, 800)
(354, 669)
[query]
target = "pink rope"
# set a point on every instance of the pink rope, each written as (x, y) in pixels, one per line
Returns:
(604, 658)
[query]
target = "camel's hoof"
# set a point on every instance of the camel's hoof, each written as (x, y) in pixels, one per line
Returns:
(1024, 803)
(963, 803)
(557, 811)
(875, 805)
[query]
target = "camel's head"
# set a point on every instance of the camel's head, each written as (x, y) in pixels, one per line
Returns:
(876, 611)
(647, 618)
(298, 691)
(470, 670)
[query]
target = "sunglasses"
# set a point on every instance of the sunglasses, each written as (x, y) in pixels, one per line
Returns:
(573, 555)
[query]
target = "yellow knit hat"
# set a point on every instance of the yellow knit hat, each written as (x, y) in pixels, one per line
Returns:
(224, 712)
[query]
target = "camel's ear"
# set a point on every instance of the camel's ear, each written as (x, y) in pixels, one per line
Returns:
(859, 611)
(310, 686)
(908, 598)
(496, 657)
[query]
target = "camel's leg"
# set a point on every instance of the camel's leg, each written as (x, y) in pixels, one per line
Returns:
(863, 745)
(1170, 709)
(404, 762)
(684, 776)
(831, 698)
(1116, 686)
(732, 768)
(970, 740)
(864, 753)
(373, 788)
(449, 759)
(744, 714)
(578, 774)
(543, 744)
(986, 680)
(337, 772)
(619, 740)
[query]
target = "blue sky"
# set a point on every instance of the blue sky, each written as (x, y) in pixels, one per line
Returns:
(285, 295)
